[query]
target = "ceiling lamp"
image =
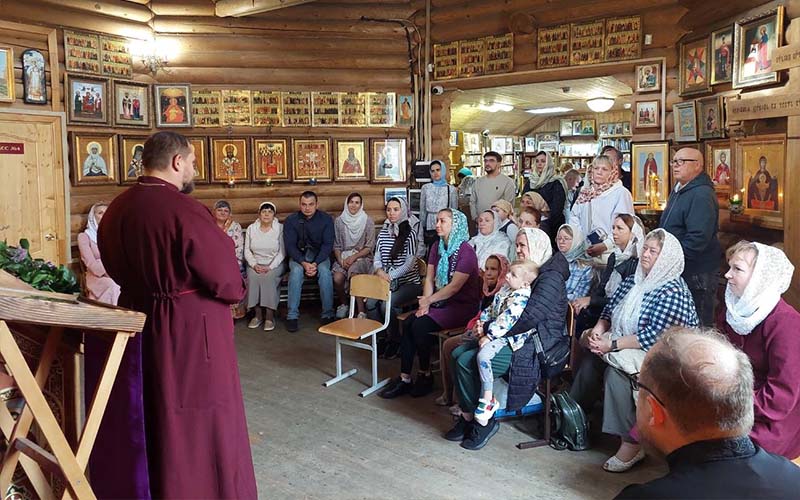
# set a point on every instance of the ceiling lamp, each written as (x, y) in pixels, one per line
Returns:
(495, 107)
(548, 111)
(600, 104)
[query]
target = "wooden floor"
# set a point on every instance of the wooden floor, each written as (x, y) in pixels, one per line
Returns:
(309, 441)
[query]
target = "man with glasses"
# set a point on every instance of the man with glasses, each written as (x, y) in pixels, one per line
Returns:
(692, 216)
(695, 407)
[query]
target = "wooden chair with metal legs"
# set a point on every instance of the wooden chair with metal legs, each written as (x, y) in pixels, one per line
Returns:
(545, 441)
(352, 331)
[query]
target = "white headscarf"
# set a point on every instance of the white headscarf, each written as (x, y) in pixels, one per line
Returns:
(632, 249)
(355, 224)
(577, 250)
(486, 245)
(91, 224)
(667, 267)
(772, 275)
(539, 247)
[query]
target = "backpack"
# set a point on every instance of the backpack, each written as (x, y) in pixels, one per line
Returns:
(570, 429)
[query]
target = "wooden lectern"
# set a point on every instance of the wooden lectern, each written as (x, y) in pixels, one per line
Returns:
(55, 317)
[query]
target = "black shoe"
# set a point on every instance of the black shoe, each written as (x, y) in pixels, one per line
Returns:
(480, 435)
(392, 350)
(461, 429)
(423, 386)
(326, 321)
(291, 325)
(396, 388)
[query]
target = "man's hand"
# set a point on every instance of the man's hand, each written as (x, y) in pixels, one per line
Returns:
(310, 268)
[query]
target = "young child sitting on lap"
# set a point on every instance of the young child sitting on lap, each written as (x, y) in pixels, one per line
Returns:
(495, 323)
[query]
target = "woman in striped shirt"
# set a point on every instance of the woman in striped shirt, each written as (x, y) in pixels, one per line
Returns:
(394, 261)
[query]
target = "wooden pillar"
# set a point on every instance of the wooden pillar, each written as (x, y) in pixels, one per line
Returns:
(791, 189)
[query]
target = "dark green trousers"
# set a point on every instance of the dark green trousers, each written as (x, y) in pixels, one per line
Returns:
(465, 373)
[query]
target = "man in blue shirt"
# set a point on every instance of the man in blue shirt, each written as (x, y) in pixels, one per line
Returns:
(308, 237)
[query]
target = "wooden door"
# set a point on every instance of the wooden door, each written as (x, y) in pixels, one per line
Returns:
(32, 183)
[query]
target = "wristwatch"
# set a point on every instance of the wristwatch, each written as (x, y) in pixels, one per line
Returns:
(614, 347)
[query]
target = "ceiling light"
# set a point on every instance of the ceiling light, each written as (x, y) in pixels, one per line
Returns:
(600, 104)
(627, 105)
(495, 107)
(547, 111)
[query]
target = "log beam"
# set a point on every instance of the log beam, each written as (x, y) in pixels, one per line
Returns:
(238, 8)
(243, 26)
(112, 8)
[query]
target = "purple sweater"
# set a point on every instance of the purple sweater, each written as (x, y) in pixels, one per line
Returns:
(774, 351)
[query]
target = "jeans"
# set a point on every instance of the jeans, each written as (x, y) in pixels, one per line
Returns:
(324, 278)
(704, 289)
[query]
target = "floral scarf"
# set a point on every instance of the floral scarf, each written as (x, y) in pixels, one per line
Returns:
(539, 247)
(449, 252)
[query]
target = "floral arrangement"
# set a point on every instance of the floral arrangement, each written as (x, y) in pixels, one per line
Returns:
(36, 272)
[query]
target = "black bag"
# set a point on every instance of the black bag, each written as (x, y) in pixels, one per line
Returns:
(553, 361)
(570, 429)
(430, 238)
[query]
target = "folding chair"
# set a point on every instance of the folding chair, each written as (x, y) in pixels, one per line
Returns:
(570, 331)
(350, 331)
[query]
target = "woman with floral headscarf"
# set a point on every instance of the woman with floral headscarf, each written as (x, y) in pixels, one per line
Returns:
(643, 307)
(451, 295)
(546, 181)
(99, 284)
(758, 321)
(597, 206)
(223, 216)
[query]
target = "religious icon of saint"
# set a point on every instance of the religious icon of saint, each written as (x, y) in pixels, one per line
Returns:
(135, 166)
(650, 167)
(174, 113)
(722, 172)
(351, 164)
(230, 161)
(762, 190)
(94, 165)
(722, 59)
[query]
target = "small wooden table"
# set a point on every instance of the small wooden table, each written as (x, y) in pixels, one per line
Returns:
(55, 316)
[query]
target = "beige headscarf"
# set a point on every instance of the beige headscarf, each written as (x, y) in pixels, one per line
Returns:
(539, 247)
(538, 202)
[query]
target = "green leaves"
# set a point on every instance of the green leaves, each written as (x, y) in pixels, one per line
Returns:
(36, 272)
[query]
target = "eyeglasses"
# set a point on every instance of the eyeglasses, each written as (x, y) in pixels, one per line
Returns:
(636, 385)
(680, 161)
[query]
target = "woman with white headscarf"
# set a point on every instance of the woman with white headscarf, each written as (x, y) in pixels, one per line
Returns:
(99, 285)
(546, 181)
(489, 240)
(434, 196)
(352, 249)
(545, 312)
(572, 243)
(758, 321)
(265, 257)
(643, 307)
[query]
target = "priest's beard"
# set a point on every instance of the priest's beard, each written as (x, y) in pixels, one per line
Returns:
(188, 187)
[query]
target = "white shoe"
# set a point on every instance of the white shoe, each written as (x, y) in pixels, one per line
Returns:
(614, 464)
(254, 323)
(342, 311)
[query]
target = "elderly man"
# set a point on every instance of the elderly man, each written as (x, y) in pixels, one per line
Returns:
(492, 186)
(692, 216)
(700, 421)
(616, 158)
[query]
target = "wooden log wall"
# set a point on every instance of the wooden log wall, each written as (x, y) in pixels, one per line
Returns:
(21, 37)
(323, 46)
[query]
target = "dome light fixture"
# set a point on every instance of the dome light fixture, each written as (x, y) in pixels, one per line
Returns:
(600, 104)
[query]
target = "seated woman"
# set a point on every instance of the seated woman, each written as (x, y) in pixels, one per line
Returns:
(503, 217)
(352, 249)
(394, 262)
(99, 285)
(494, 277)
(643, 307)
(628, 233)
(572, 244)
(450, 297)
(529, 217)
(434, 196)
(597, 206)
(489, 240)
(546, 312)
(757, 320)
(264, 255)
(223, 215)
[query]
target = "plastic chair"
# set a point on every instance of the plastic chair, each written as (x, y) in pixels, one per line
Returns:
(351, 331)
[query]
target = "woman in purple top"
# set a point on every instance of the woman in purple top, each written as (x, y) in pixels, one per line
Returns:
(450, 297)
(759, 322)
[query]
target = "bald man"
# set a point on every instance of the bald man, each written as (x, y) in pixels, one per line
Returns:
(692, 216)
(695, 407)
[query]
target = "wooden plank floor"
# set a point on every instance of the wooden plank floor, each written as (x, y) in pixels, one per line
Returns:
(309, 441)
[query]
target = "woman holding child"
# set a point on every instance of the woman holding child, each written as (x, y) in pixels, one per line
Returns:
(642, 308)
(450, 297)
(544, 311)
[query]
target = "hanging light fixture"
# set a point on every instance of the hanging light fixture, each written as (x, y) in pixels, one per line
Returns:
(600, 104)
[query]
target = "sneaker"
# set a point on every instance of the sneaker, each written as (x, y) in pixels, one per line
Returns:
(423, 386)
(455, 410)
(479, 435)
(485, 410)
(342, 311)
(254, 323)
(461, 429)
(326, 321)
(396, 388)
(291, 325)
(269, 325)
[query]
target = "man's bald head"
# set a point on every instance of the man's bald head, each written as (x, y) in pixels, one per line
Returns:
(706, 384)
(693, 165)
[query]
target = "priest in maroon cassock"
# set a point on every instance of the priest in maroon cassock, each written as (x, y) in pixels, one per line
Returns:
(174, 264)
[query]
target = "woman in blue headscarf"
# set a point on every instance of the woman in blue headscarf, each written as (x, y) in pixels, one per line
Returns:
(450, 297)
(434, 196)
